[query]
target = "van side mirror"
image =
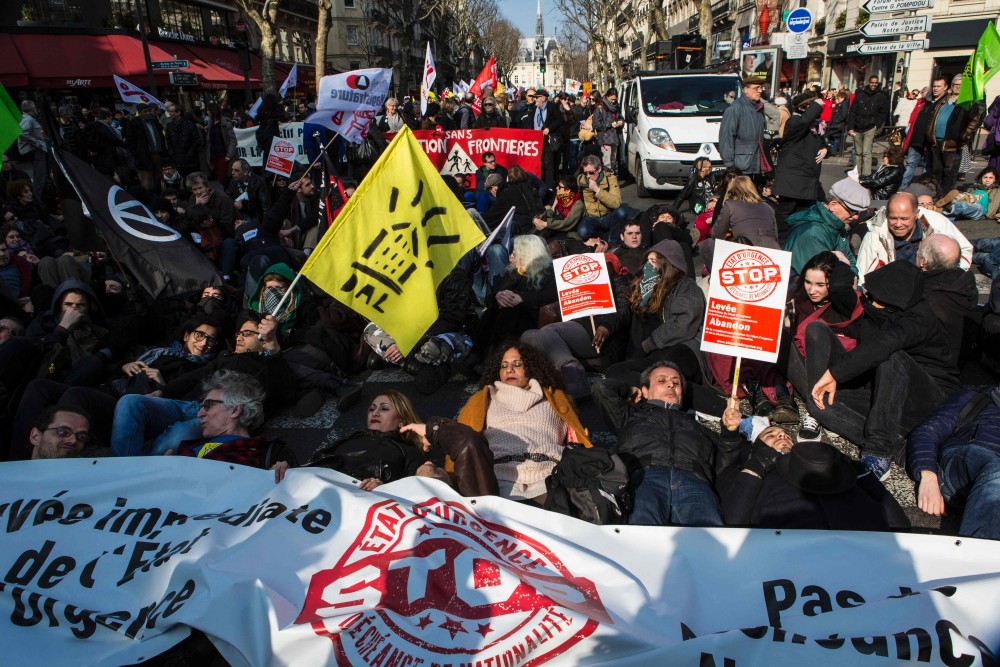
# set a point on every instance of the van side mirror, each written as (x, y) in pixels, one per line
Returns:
(631, 115)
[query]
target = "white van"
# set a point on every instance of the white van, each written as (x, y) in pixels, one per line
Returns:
(672, 118)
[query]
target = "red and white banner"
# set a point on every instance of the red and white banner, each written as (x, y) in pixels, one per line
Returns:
(132, 94)
(584, 286)
(746, 301)
(460, 152)
(111, 561)
(281, 157)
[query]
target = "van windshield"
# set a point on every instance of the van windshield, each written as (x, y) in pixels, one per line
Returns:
(688, 95)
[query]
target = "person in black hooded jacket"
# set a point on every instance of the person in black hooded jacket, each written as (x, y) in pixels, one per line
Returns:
(899, 372)
(951, 293)
(520, 194)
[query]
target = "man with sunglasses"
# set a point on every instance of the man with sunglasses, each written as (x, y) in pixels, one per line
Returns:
(60, 433)
(825, 225)
(490, 117)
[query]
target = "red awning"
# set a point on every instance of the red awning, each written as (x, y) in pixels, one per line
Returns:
(13, 73)
(88, 61)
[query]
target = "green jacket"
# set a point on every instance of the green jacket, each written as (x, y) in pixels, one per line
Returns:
(814, 230)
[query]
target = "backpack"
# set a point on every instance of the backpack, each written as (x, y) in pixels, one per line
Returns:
(591, 484)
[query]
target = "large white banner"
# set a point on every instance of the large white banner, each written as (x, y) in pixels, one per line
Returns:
(246, 144)
(110, 561)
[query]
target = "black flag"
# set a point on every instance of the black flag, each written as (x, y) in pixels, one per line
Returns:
(158, 256)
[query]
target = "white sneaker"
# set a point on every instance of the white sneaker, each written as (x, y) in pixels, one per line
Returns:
(810, 429)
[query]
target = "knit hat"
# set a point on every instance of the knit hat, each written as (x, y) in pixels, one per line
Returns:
(854, 196)
(673, 253)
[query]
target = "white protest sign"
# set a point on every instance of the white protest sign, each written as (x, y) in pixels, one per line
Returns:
(246, 144)
(110, 561)
(746, 301)
(584, 286)
(281, 158)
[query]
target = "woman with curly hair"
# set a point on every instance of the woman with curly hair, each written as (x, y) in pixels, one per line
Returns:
(381, 452)
(667, 313)
(511, 433)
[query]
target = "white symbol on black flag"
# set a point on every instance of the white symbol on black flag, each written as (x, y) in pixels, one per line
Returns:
(160, 258)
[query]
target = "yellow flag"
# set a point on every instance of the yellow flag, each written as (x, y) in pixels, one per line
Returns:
(397, 238)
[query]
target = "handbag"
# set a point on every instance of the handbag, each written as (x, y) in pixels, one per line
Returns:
(586, 132)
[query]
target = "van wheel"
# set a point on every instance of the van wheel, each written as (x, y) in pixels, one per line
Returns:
(640, 186)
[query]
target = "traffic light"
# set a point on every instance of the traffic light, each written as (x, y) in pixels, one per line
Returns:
(541, 65)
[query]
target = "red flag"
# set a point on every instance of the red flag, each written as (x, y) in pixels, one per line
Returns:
(486, 79)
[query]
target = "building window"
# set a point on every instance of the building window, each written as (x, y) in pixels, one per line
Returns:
(349, 4)
(352, 35)
(181, 21)
(219, 26)
(123, 13)
(354, 64)
(302, 47)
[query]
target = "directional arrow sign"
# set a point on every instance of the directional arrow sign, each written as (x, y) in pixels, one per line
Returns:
(882, 6)
(893, 47)
(170, 64)
(907, 26)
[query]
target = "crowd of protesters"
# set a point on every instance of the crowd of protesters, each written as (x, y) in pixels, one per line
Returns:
(881, 318)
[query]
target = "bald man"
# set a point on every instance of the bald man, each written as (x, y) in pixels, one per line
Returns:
(951, 292)
(896, 231)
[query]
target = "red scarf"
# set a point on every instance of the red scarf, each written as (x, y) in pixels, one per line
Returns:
(564, 203)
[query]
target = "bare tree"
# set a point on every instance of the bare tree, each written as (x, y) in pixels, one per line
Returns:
(502, 41)
(705, 21)
(598, 20)
(399, 19)
(468, 22)
(266, 20)
(322, 31)
(657, 20)
(574, 49)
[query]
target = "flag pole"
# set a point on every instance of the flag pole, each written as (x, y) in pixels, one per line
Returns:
(298, 276)
(736, 376)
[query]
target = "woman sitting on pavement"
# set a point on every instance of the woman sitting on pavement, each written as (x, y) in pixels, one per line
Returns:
(379, 453)
(885, 181)
(746, 214)
(530, 284)
(511, 433)
(824, 297)
(560, 219)
(982, 201)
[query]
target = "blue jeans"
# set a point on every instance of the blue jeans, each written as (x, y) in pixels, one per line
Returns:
(960, 210)
(672, 497)
(987, 254)
(165, 421)
(971, 474)
(914, 159)
(608, 227)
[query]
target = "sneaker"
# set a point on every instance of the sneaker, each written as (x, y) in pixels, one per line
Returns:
(810, 429)
(877, 465)
(785, 411)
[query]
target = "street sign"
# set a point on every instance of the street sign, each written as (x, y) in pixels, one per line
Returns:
(893, 47)
(183, 79)
(797, 46)
(799, 20)
(882, 6)
(907, 26)
(170, 64)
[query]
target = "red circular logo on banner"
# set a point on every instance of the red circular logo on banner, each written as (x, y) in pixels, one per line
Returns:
(749, 275)
(284, 149)
(433, 583)
(580, 270)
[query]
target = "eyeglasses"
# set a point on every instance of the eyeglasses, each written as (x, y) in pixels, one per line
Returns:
(200, 335)
(487, 106)
(65, 431)
(206, 404)
(246, 333)
(517, 363)
(589, 173)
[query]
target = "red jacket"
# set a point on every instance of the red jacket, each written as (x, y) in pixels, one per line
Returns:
(913, 116)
